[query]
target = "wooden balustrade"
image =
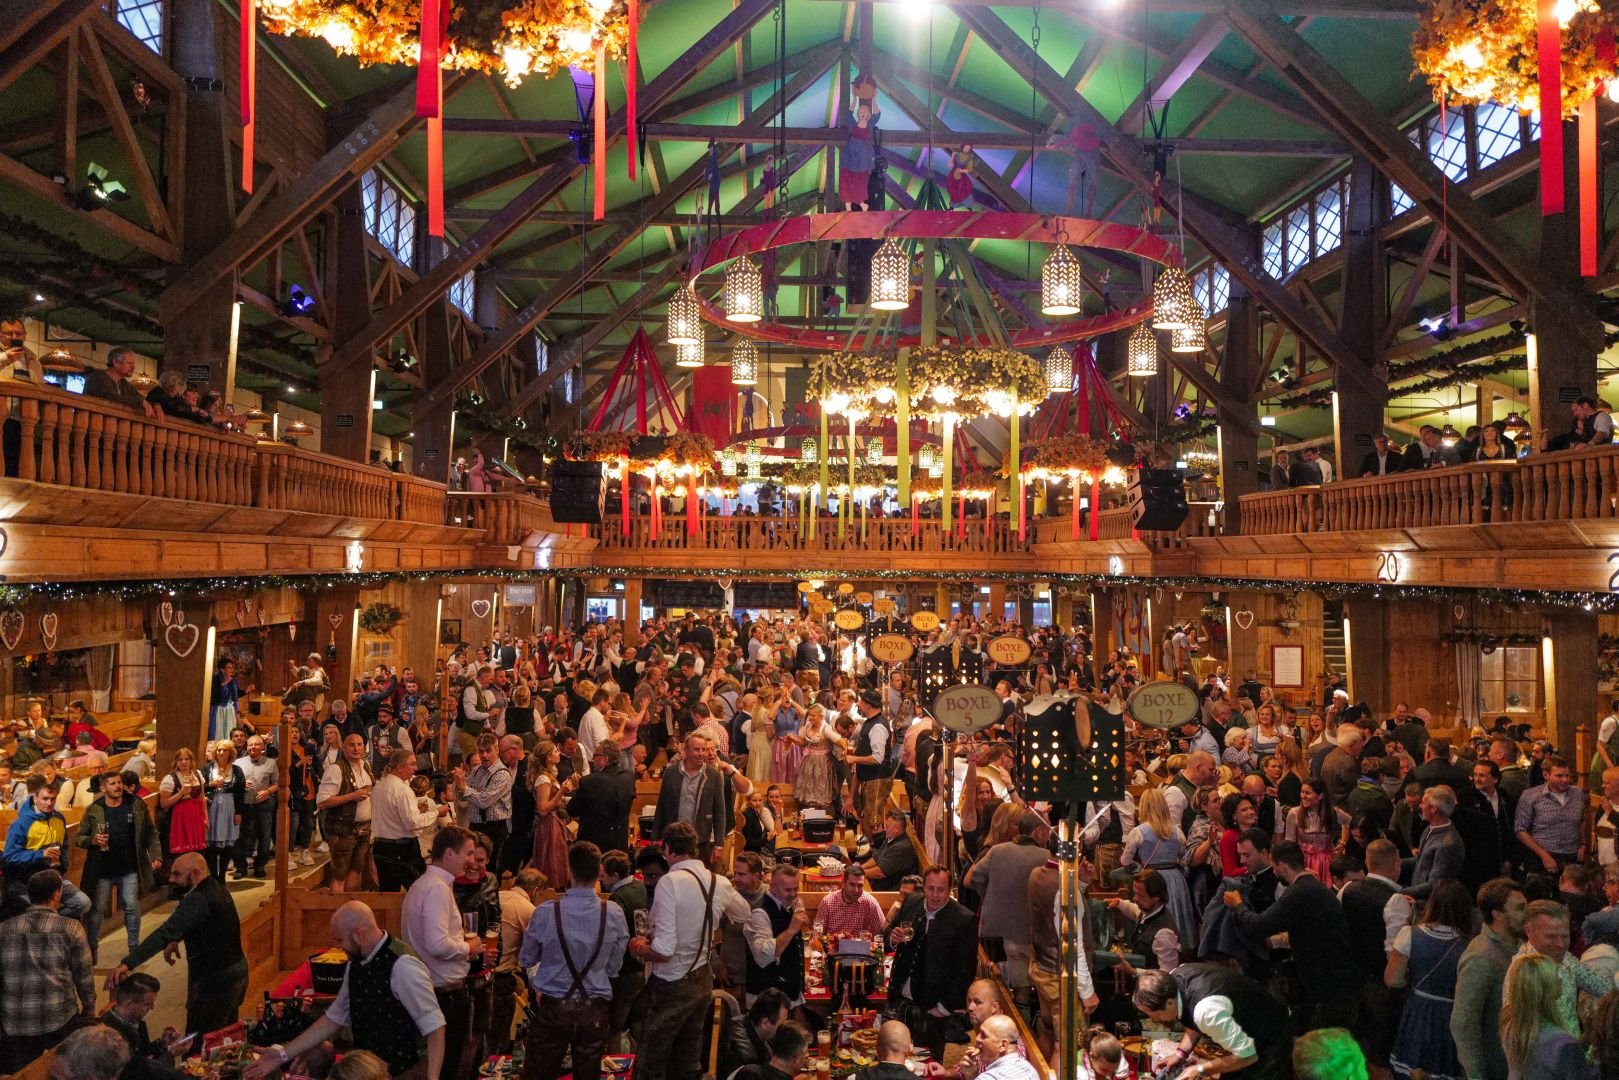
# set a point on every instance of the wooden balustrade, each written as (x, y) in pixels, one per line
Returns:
(417, 500)
(1291, 510)
(507, 518)
(819, 535)
(55, 437)
(1566, 485)
(311, 483)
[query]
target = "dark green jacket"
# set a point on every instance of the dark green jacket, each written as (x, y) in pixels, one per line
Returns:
(147, 849)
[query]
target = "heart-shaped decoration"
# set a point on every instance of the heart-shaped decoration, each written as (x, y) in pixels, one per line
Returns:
(47, 630)
(1460, 611)
(1244, 618)
(11, 628)
(336, 619)
(261, 614)
(4, 541)
(480, 608)
(241, 612)
(165, 612)
(181, 639)
(292, 631)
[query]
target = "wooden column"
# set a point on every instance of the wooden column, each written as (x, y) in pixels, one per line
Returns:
(342, 601)
(420, 646)
(1368, 652)
(346, 389)
(200, 333)
(1359, 404)
(1569, 659)
(996, 601)
(1562, 366)
(1238, 445)
(183, 684)
(435, 426)
(1243, 645)
(632, 611)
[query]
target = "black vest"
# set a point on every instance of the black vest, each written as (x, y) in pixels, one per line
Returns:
(1190, 813)
(1113, 830)
(786, 973)
(1363, 903)
(1258, 1012)
(862, 748)
(379, 1020)
(1145, 930)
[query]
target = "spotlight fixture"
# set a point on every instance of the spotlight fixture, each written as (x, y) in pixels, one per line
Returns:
(1059, 368)
(685, 323)
(1060, 283)
(100, 189)
(744, 291)
(890, 278)
(690, 354)
(1267, 421)
(1141, 352)
(297, 304)
(402, 361)
(745, 363)
(1438, 326)
(1173, 306)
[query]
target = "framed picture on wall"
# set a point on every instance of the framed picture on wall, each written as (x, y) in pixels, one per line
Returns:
(1287, 665)
(449, 632)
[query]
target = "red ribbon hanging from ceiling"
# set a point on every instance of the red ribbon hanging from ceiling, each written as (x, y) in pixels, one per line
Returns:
(632, 77)
(1549, 47)
(624, 496)
(435, 29)
(598, 106)
(248, 60)
(1589, 210)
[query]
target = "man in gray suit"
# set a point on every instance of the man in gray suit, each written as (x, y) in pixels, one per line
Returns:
(1441, 854)
(1475, 1022)
(694, 792)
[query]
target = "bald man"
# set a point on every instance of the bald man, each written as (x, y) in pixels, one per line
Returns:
(893, 1051)
(205, 921)
(996, 1044)
(386, 1000)
(983, 1002)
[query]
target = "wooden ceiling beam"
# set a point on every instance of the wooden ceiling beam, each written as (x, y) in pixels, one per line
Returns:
(1177, 69)
(1478, 233)
(1230, 245)
(27, 42)
(1338, 9)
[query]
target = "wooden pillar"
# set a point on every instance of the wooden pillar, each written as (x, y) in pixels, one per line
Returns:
(1562, 366)
(1244, 644)
(1569, 660)
(1367, 642)
(346, 391)
(420, 646)
(1358, 413)
(343, 603)
(184, 687)
(200, 335)
(435, 426)
(632, 611)
(1239, 446)
(997, 599)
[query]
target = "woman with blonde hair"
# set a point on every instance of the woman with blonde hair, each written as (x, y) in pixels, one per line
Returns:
(226, 788)
(760, 732)
(181, 794)
(1156, 843)
(1293, 772)
(550, 852)
(817, 784)
(1537, 1045)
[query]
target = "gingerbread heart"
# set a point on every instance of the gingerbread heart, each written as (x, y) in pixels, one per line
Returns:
(181, 639)
(47, 630)
(1244, 618)
(165, 612)
(11, 628)
(336, 619)
(261, 614)
(480, 608)
(292, 631)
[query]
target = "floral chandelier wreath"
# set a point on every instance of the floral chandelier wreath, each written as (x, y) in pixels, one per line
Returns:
(1473, 51)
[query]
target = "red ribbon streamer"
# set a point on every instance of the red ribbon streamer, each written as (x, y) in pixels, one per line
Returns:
(632, 77)
(599, 156)
(248, 57)
(435, 176)
(1096, 508)
(430, 104)
(1589, 210)
(916, 521)
(692, 525)
(961, 517)
(1075, 501)
(1022, 507)
(624, 496)
(1549, 42)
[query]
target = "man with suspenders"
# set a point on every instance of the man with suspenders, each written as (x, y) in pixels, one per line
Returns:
(689, 903)
(577, 941)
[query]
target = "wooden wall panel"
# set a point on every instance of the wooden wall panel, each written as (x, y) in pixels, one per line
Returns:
(292, 134)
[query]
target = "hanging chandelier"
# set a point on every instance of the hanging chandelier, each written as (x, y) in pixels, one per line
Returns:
(685, 323)
(1059, 368)
(515, 39)
(808, 451)
(1141, 352)
(745, 363)
(924, 457)
(874, 451)
(1472, 52)
(744, 291)
(1060, 283)
(689, 355)
(755, 470)
(1516, 426)
(727, 462)
(1190, 338)
(1172, 301)
(754, 457)
(936, 470)
(890, 278)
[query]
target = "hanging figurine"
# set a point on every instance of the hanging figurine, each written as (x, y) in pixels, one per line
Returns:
(1083, 143)
(767, 181)
(711, 215)
(859, 150)
(959, 185)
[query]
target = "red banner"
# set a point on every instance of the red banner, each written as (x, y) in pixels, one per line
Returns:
(713, 403)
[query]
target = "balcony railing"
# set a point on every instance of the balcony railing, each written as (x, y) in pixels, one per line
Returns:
(1114, 524)
(507, 518)
(817, 536)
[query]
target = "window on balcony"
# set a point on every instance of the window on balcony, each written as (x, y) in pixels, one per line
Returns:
(1298, 237)
(1329, 219)
(1219, 289)
(1271, 251)
(542, 354)
(389, 216)
(144, 19)
(1500, 133)
(1447, 143)
(1509, 680)
(462, 294)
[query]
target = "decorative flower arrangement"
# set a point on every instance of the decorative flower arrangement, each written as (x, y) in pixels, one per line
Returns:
(973, 382)
(380, 618)
(608, 446)
(853, 383)
(686, 454)
(800, 477)
(978, 484)
(925, 486)
(1474, 51)
(511, 39)
(1067, 456)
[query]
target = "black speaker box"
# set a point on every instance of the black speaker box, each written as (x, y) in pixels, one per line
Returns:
(1157, 500)
(578, 495)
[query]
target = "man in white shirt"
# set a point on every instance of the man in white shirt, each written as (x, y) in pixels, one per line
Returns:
(432, 926)
(397, 818)
(997, 1044)
(689, 903)
(258, 808)
(381, 1023)
(593, 725)
(344, 800)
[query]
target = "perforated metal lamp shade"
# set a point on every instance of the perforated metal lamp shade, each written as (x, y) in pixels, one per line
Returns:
(755, 470)
(745, 363)
(874, 451)
(1172, 302)
(890, 278)
(689, 355)
(1141, 352)
(1059, 367)
(924, 457)
(685, 322)
(754, 457)
(809, 451)
(1189, 339)
(727, 462)
(1060, 283)
(744, 292)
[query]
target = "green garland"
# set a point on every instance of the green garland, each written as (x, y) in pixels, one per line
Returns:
(380, 617)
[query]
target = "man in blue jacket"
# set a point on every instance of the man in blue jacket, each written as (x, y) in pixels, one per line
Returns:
(35, 842)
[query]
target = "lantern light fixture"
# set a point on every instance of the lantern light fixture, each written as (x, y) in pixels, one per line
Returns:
(728, 462)
(744, 291)
(1173, 305)
(1060, 283)
(689, 355)
(1190, 338)
(1059, 367)
(890, 278)
(809, 452)
(1141, 352)
(924, 457)
(685, 323)
(745, 363)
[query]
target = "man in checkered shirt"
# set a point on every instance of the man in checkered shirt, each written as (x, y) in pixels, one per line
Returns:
(47, 980)
(850, 910)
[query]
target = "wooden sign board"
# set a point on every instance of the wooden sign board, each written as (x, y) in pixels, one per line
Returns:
(1287, 665)
(925, 621)
(891, 648)
(1163, 704)
(967, 708)
(884, 606)
(1009, 650)
(848, 619)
